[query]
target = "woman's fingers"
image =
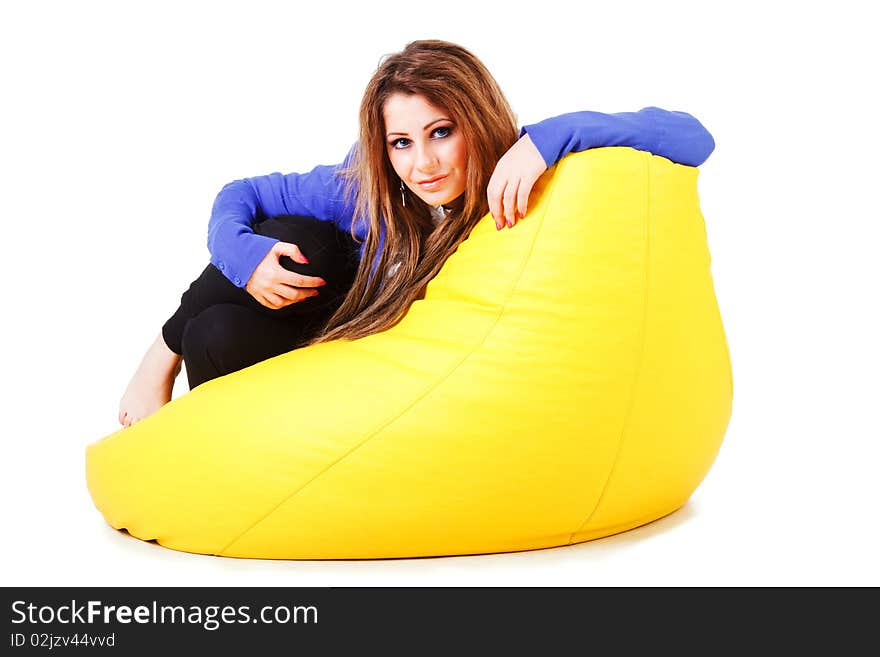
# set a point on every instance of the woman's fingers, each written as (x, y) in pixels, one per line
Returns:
(273, 301)
(274, 286)
(510, 195)
(283, 276)
(503, 202)
(522, 196)
(291, 294)
(286, 277)
(512, 182)
(494, 193)
(290, 250)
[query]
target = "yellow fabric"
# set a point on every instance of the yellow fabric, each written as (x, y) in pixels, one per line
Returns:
(561, 381)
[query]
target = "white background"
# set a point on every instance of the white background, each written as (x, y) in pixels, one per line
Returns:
(119, 126)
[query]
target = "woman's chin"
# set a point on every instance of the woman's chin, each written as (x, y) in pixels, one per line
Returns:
(438, 198)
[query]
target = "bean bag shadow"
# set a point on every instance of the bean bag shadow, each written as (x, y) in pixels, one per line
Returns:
(561, 381)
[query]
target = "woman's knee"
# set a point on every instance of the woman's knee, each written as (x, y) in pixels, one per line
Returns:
(331, 253)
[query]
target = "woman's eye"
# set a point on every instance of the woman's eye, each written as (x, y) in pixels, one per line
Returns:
(437, 133)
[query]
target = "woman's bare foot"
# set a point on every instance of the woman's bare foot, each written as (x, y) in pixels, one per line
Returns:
(151, 386)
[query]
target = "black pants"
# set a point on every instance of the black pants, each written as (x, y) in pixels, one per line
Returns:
(220, 328)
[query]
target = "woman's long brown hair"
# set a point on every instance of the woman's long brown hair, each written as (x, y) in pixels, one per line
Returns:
(453, 79)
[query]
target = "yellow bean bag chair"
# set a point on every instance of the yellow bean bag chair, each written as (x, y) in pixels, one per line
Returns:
(561, 381)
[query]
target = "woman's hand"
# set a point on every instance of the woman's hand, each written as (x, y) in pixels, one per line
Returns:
(276, 287)
(512, 182)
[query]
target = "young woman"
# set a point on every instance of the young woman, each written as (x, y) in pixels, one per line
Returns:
(342, 251)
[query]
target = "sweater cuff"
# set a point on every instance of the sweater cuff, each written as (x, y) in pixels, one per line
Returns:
(543, 140)
(250, 251)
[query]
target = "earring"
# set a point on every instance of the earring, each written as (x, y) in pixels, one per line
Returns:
(402, 194)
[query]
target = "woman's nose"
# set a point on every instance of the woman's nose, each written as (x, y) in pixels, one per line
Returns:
(426, 159)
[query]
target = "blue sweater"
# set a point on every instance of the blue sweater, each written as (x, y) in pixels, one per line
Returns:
(236, 250)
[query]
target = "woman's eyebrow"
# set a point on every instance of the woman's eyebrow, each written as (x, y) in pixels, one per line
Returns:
(442, 118)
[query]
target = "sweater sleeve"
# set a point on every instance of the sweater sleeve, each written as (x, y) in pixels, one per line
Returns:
(234, 247)
(677, 136)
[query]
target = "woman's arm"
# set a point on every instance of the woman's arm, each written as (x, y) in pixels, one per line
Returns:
(677, 136)
(235, 249)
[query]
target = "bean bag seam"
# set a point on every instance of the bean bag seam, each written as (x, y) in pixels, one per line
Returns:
(646, 158)
(500, 313)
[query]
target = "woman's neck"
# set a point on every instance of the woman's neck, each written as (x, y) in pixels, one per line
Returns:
(440, 211)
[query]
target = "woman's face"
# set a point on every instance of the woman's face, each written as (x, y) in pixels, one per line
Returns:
(425, 147)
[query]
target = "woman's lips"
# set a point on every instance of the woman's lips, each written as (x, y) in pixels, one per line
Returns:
(433, 183)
